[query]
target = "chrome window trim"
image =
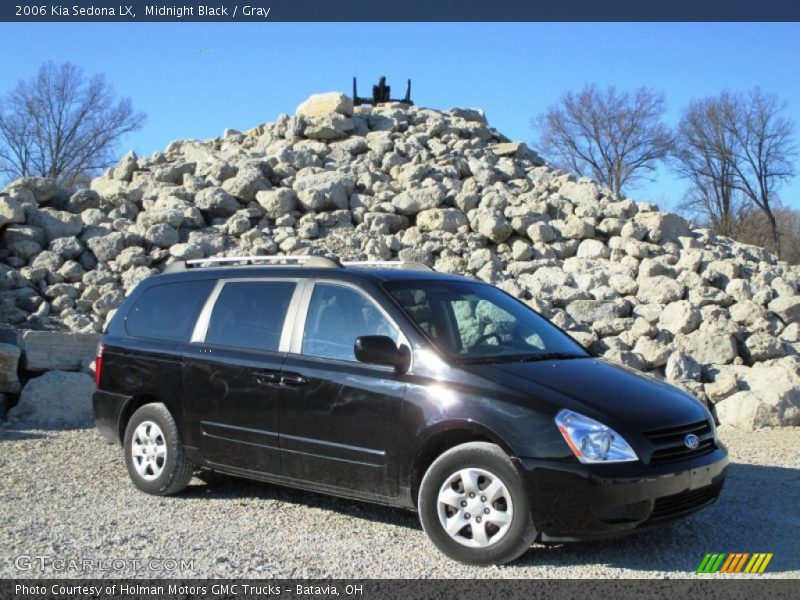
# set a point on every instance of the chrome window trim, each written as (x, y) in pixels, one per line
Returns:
(296, 346)
(201, 327)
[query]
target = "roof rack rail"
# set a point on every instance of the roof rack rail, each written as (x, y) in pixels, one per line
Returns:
(323, 262)
(391, 264)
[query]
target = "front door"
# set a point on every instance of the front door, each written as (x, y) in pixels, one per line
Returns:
(337, 414)
(232, 374)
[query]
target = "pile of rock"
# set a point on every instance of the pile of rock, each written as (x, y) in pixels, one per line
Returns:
(639, 286)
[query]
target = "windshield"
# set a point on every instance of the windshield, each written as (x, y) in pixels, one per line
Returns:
(475, 322)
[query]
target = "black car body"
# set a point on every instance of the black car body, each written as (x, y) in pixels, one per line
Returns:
(293, 411)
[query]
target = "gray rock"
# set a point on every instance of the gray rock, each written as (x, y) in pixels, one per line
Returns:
(492, 224)
(663, 227)
(83, 200)
(44, 191)
(590, 311)
(107, 247)
(659, 290)
(126, 167)
(162, 235)
(10, 211)
(55, 400)
(593, 249)
(441, 219)
(216, 202)
(56, 223)
(323, 190)
(709, 348)
(414, 201)
(328, 127)
(277, 202)
(679, 317)
(324, 104)
(787, 308)
(57, 351)
(770, 396)
(247, 183)
(681, 367)
(763, 346)
(68, 247)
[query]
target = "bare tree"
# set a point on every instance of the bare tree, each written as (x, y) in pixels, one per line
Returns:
(764, 149)
(62, 125)
(705, 156)
(735, 149)
(614, 138)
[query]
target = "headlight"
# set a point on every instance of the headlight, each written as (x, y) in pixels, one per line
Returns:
(591, 441)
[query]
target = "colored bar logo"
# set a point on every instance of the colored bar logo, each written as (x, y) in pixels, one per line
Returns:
(735, 562)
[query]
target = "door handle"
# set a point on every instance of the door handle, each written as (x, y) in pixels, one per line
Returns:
(267, 377)
(293, 380)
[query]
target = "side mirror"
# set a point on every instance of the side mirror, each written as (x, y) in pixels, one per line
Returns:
(381, 350)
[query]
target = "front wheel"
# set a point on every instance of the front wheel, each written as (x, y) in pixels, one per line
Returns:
(474, 507)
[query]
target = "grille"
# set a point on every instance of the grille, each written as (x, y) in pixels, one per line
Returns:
(678, 504)
(669, 442)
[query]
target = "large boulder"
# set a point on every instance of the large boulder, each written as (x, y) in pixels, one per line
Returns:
(787, 308)
(323, 190)
(709, 347)
(10, 211)
(216, 202)
(441, 219)
(55, 400)
(411, 202)
(590, 311)
(318, 105)
(769, 396)
(57, 350)
(56, 223)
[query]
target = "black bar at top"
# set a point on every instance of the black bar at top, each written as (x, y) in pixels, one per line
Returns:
(404, 11)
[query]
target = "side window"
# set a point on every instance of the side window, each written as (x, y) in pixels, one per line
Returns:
(337, 315)
(430, 314)
(168, 311)
(250, 314)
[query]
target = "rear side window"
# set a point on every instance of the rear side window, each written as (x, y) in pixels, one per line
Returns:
(250, 314)
(168, 311)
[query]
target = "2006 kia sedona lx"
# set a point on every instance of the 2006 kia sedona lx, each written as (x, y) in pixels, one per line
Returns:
(395, 384)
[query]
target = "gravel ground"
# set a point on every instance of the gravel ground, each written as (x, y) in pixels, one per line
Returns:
(66, 494)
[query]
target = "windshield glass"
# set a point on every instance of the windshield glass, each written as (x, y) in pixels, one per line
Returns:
(475, 322)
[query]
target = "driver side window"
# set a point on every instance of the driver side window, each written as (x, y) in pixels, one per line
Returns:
(337, 315)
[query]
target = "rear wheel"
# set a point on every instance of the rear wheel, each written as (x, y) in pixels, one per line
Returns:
(474, 507)
(155, 458)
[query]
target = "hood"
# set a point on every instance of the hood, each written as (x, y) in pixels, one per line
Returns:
(612, 394)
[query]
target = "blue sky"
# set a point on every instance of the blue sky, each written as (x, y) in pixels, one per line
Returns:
(193, 80)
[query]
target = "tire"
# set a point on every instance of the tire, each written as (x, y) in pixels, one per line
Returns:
(155, 458)
(501, 520)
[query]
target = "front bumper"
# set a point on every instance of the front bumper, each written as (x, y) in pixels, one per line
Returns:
(573, 501)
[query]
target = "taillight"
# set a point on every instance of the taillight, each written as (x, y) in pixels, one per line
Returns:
(98, 363)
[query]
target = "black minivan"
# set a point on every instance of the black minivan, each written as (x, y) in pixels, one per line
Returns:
(391, 383)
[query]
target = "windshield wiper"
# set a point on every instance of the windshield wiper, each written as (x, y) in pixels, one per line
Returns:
(488, 360)
(550, 356)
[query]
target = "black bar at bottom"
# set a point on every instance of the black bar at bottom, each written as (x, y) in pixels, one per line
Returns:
(260, 589)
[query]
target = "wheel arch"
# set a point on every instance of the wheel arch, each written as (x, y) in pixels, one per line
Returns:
(131, 406)
(441, 438)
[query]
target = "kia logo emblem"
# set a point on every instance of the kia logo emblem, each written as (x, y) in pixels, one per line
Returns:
(691, 441)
